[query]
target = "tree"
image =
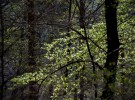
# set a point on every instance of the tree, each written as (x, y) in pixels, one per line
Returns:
(2, 52)
(113, 49)
(32, 47)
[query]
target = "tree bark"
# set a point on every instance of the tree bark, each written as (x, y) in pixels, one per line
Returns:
(110, 68)
(82, 25)
(32, 45)
(2, 52)
(31, 35)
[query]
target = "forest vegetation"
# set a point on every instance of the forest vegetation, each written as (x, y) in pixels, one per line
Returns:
(67, 49)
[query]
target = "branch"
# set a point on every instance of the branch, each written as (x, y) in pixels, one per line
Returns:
(64, 66)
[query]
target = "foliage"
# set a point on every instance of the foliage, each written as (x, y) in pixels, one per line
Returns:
(59, 49)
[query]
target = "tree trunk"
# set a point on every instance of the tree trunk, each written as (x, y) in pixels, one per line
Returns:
(82, 25)
(112, 53)
(2, 52)
(32, 37)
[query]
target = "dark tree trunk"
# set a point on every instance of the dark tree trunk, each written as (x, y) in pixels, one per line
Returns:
(1, 53)
(31, 35)
(32, 45)
(112, 53)
(82, 25)
(82, 14)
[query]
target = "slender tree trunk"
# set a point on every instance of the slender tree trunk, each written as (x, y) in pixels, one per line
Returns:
(32, 45)
(112, 53)
(82, 25)
(2, 52)
(69, 19)
(69, 44)
(31, 35)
